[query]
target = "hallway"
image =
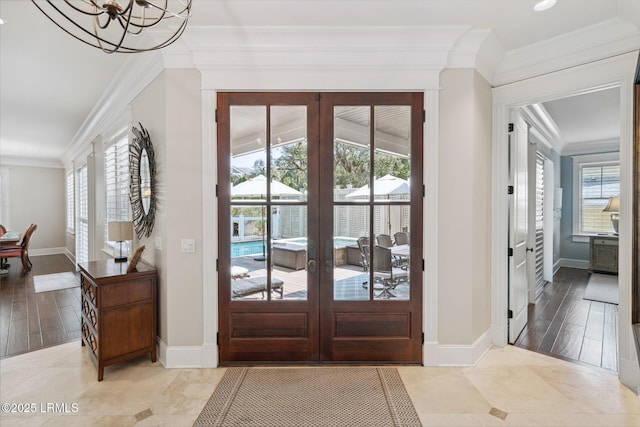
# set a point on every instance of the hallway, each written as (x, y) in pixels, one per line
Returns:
(564, 325)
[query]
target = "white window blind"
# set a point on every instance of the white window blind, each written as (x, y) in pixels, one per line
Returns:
(71, 212)
(82, 231)
(597, 184)
(116, 171)
(4, 198)
(539, 253)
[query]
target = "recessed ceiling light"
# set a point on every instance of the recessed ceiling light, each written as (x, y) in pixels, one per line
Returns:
(544, 5)
(2, 21)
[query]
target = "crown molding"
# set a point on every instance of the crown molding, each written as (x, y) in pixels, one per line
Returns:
(33, 162)
(321, 57)
(543, 128)
(603, 40)
(591, 147)
(112, 108)
(479, 49)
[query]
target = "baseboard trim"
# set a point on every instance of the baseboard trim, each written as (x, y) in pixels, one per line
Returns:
(630, 371)
(574, 263)
(188, 356)
(48, 251)
(459, 354)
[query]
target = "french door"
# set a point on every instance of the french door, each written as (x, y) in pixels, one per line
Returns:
(320, 225)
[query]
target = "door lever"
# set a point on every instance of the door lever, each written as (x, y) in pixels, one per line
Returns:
(311, 257)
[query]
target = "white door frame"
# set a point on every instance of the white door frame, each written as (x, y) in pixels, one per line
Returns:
(617, 71)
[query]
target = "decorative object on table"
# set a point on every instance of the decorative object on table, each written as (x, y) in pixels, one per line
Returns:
(134, 259)
(119, 231)
(613, 206)
(142, 182)
(112, 25)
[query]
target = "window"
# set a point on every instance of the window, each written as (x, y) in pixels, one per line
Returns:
(116, 178)
(71, 212)
(82, 233)
(596, 178)
(4, 198)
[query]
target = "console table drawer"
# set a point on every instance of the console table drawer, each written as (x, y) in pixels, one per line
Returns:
(126, 293)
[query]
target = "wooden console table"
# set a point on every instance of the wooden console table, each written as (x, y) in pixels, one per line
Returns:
(118, 312)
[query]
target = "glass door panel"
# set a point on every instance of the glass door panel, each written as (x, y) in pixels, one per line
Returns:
(392, 198)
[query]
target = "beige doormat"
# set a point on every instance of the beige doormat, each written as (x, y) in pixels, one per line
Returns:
(324, 396)
(602, 287)
(54, 282)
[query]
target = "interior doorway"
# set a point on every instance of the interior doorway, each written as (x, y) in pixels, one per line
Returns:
(320, 219)
(580, 134)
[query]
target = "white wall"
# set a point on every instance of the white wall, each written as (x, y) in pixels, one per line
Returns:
(37, 196)
(170, 109)
(464, 204)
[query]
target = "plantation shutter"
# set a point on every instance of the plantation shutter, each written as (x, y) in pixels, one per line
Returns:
(71, 212)
(82, 231)
(539, 253)
(116, 171)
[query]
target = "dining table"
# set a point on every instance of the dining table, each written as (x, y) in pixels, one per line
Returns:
(10, 238)
(7, 239)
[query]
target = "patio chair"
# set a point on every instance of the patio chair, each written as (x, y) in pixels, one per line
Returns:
(363, 246)
(385, 271)
(384, 240)
(401, 238)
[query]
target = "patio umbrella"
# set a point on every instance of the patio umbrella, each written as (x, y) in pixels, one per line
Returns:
(257, 187)
(386, 186)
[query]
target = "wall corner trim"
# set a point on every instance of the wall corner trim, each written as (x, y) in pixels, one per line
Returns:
(458, 354)
(188, 356)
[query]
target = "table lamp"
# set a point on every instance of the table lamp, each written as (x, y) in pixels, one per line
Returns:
(613, 206)
(119, 231)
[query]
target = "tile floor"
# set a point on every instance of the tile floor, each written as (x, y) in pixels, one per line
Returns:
(509, 387)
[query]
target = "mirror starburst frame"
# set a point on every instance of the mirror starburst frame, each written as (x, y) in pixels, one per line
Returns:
(143, 220)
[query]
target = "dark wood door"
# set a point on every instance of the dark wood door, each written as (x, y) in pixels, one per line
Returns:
(371, 312)
(294, 171)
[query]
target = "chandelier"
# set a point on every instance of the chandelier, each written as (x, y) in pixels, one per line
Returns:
(117, 26)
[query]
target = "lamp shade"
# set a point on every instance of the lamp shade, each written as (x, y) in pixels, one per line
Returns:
(119, 231)
(613, 205)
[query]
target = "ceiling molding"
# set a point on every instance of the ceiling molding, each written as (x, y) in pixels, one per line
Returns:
(479, 49)
(609, 38)
(136, 74)
(589, 147)
(322, 57)
(18, 161)
(544, 128)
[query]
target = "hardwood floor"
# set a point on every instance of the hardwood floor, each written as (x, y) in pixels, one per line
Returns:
(564, 325)
(30, 321)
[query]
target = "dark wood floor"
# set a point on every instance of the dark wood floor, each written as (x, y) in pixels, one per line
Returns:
(30, 321)
(564, 325)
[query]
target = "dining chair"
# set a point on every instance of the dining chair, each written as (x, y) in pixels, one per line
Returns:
(22, 250)
(363, 246)
(385, 271)
(384, 240)
(401, 238)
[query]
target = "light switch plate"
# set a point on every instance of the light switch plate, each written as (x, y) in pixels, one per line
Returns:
(188, 246)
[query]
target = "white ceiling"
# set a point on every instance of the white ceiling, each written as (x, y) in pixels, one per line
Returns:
(49, 82)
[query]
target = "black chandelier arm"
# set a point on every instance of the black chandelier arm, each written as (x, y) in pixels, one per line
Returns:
(99, 10)
(131, 23)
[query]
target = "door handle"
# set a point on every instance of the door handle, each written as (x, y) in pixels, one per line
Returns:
(311, 258)
(328, 256)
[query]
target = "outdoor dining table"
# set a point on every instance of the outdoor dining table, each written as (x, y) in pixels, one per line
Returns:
(400, 250)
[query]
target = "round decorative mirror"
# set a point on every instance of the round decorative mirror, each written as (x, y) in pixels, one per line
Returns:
(142, 171)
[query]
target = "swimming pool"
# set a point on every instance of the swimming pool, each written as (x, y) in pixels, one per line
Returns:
(254, 247)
